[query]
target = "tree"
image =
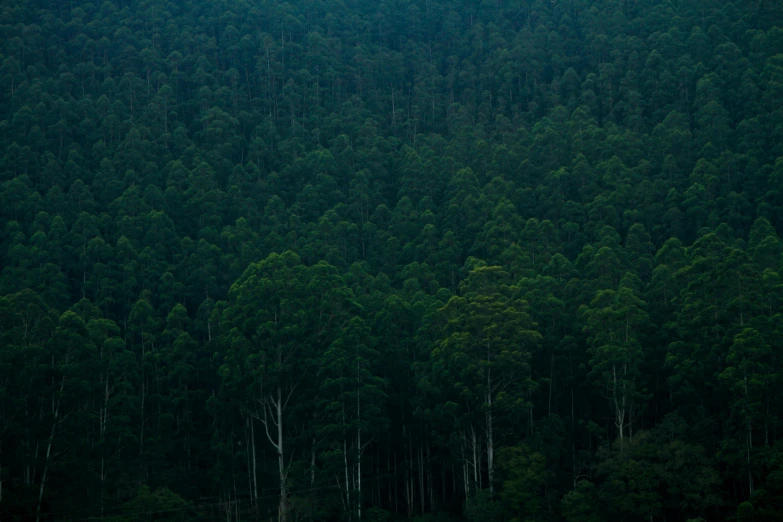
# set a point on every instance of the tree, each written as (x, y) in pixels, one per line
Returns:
(71, 353)
(281, 315)
(749, 376)
(352, 395)
(484, 351)
(615, 321)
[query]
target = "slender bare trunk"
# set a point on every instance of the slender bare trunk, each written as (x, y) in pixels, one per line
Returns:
(359, 477)
(253, 450)
(475, 456)
(103, 480)
(345, 463)
(465, 472)
(490, 443)
(359, 488)
(421, 478)
(750, 472)
(551, 382)
(283, 513)
(141, 434)
(358, 445)
(249, 465)
(55, 421)
(396, 486)
(347, 481)
(430, 482)
(388, 473)
(312, 466)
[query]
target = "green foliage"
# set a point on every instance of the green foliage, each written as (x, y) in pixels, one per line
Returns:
(525, 478)
(581, 504)
(481, 507)
(429, 259)
(161, 504)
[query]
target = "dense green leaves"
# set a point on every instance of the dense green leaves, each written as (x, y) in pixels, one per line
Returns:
(513, 261)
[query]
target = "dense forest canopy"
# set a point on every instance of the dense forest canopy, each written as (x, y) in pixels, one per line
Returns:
(317, 260)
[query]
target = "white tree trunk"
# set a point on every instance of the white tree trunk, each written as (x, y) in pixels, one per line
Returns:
(143, 395)
(619, 407)
(358, 458)
(465, 472)
(475, 456)
(249, 465)
(283, 513)
(347, 481)
(750, 472)
(55, 421)
(141, 432)
(349, 508)
(490, 443)
(253, 448)
(421, 479)
(273, 413)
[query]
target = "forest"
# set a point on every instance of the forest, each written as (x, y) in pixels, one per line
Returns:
(387, 260)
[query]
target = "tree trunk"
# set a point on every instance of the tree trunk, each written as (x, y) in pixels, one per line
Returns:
(283, 512)
(253, 449)
(389, 475)
(55, 421)
(103, 481)
(551, 382)
(349, 509)
(490, 442)
(421, 478)
(396, 486)
(249, 465)
(750, 472)
(359, 487)
(466, 479)
(141, 434)
(312, 465)
(619, 408)
(358, 447)
(475, 456)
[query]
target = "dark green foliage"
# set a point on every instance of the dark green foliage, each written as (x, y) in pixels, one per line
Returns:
(431, 259)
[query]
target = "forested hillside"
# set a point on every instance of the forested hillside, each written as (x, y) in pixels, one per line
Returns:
(376, 260)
